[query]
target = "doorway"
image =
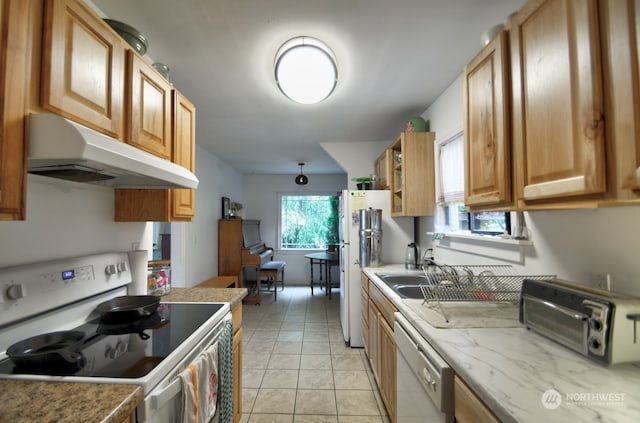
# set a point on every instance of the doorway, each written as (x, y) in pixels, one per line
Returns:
(161, 241)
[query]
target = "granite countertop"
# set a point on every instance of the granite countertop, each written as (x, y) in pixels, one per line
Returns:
(29, 401)
(510, 368)
(233, 296)
(71, 402)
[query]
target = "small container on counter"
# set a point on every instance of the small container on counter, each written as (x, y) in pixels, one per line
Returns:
(158, 279)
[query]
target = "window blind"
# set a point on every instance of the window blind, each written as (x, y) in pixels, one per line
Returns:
(451, 170)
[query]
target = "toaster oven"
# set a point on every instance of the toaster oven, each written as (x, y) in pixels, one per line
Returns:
(600, 325)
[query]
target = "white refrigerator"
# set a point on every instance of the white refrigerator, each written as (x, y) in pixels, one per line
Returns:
(397, 233)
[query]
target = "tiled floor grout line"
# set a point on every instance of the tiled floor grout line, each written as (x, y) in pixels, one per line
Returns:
(316, 318)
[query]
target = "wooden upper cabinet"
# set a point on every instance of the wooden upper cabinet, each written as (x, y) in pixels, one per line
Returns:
(83, 67)
(149, 100)
(164, 205)
(413, 175)
(487, 137)
(13, 57)
(383, 168)
(184, 145)
(620, 21)
(558, 101)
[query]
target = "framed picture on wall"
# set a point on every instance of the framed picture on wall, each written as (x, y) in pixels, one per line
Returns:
(226, 203)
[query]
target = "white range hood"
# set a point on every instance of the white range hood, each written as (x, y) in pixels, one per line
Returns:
(61, 148)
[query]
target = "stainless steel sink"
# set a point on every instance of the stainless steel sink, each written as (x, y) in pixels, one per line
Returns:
(408, 291)
(405, 285)
(404, 279)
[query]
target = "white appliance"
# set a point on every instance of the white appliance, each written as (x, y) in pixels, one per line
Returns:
(64, 149)
(61, 296)
(397, 232)
(424, 381)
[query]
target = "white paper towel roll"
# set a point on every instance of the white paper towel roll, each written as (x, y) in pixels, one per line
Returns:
(138, 262)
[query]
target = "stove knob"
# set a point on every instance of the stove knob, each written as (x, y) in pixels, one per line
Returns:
(111, 269)
(122, 266)
(595, 344)
(110, 352)
(16, 291)
(115, 352)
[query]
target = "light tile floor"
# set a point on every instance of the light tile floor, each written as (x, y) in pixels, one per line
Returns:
(296, 366)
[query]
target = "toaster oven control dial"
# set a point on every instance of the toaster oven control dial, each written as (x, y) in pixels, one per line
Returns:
(595, 324)
(595, 345)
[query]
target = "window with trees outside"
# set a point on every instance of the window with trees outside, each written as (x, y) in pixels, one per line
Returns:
(308, 222)
(452, 215)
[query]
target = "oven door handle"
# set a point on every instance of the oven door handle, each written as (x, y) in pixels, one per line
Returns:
(161, 398)
(560, 309)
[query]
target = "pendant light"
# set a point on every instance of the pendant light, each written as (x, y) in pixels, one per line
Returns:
(301, 179)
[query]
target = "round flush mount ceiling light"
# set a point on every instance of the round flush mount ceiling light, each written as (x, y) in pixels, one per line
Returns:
(305, 70)
(301, 179)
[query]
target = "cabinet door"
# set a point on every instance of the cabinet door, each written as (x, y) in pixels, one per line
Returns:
(83, 67)
(13, 57)
(413, 175)
(374, 339)
(383, 169)
(164, 205)
(468, 407)
(487, 138)
(237, 376)
(558, 105)
(149, 97)
(184, 144)
(388, 368)
(621, 41)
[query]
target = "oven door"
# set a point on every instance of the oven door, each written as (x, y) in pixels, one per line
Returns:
(163, 404)
(563, 325)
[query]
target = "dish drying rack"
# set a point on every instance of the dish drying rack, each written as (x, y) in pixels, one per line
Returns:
(483, 283)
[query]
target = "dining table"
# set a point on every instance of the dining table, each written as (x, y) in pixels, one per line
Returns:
(325, 261)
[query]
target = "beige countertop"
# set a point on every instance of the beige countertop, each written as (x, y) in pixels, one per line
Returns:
(233, 296)
(71, 402)
(32, 401)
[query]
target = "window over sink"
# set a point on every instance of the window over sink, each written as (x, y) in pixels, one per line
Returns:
(451, 213)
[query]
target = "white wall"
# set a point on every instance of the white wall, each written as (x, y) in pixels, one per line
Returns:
(356, 158)
(569, 243)
(261, 202)
(66, 219)
(194, 245)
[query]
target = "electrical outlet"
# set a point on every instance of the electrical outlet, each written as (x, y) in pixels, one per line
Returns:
(601, 281)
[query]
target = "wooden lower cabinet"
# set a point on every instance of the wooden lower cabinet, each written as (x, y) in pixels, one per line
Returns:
(388, 368)
(364, 318)
(237, 375)
(236, 315)
(379, 344)
(468, 408)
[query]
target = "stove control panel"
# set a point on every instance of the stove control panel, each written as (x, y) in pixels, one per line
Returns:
(31, 289)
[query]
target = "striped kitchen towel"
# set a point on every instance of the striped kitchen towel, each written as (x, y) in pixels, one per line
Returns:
(200, 387)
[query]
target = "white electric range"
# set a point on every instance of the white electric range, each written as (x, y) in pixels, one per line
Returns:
(62, 295)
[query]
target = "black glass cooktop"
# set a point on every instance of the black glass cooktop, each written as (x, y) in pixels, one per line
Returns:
(124, 350)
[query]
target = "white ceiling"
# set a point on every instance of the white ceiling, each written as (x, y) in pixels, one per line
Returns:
(394, 58)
